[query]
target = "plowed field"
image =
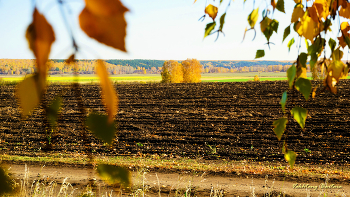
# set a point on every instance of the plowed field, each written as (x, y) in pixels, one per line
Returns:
(210, 120)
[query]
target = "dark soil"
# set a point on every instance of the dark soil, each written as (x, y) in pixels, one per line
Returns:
(207, 120)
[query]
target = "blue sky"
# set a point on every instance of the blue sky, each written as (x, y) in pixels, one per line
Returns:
(157, 29)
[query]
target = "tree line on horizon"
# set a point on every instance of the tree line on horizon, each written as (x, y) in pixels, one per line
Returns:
(59, 67)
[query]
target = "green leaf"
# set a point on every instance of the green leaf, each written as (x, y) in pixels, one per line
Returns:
(6, 184)
(299, 115)
(268, 33)
(302, 59)
(291, 72)
(259, 54)
(222, 21)
(347, 40)
(284, 100)
(303, 86)
(332, 44)
(290, 157)
(286, 33)
(99, 126)
(307, 44)
(52, 111)
(280, 5)
(279, 127)
(290, 43)
(114, 174)
(253, 17)
(274, 25)
(209, 28)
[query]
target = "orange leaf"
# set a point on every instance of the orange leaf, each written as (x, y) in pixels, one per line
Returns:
(40, 37)
(104, 21)
(273, 4)
(322, 7)
(109, 95)
(105, 8)
(313, 13)
(212, 11)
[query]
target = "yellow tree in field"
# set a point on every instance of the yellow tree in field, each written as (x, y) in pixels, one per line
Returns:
(172, 72)
(191, 71)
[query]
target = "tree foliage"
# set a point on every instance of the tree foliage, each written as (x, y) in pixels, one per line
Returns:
(311, 21)
(191, 71)
(172, 72)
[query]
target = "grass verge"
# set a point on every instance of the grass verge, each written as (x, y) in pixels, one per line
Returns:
(223, 167)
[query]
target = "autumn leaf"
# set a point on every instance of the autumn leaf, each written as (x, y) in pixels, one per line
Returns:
(303, 86)
(283, 101)
(290, 157)
(345, 11)
(104, 21)
(280, 6)
(114, 174)
(299, 115)
(286, 33)
(307, 28)
(209, 28)
(298, 12)
(222, 21)
(71, 59)
(273, 4)
(253, 17)
(29, 86)
(291, 72)
(40, 37)
(109, 95)
(212, 11)
(279, 127)
(290, 43)
(322, 7)
(259, 54)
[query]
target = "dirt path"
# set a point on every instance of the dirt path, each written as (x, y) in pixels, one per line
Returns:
(168, 183)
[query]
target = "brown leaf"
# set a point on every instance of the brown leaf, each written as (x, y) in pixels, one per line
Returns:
(40, 37)
(344, 11)
(109, 95)
(313, 13)
(104, 21)
(71, 59)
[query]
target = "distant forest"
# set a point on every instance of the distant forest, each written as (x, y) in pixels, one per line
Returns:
(139, 66)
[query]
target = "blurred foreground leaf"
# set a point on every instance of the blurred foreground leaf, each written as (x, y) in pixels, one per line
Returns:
(290, 157)
(291, 72)
(114, 174)
(259, 54)
(99, 125)
(6, 184)
(284, 100)
(52, 111)
(29, 94)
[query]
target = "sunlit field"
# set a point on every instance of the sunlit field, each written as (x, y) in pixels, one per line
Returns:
(208, 77)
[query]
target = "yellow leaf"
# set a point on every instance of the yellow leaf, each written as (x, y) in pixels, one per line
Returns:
(109, 95)
(307, 28)
(330, 83)
(322, 7)
(301, 72)
(212, 11)
(106, 27)
(336, 70)
(40, 37)
(29, 94)
(265, 23)
(297, 1)
(298, 12)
